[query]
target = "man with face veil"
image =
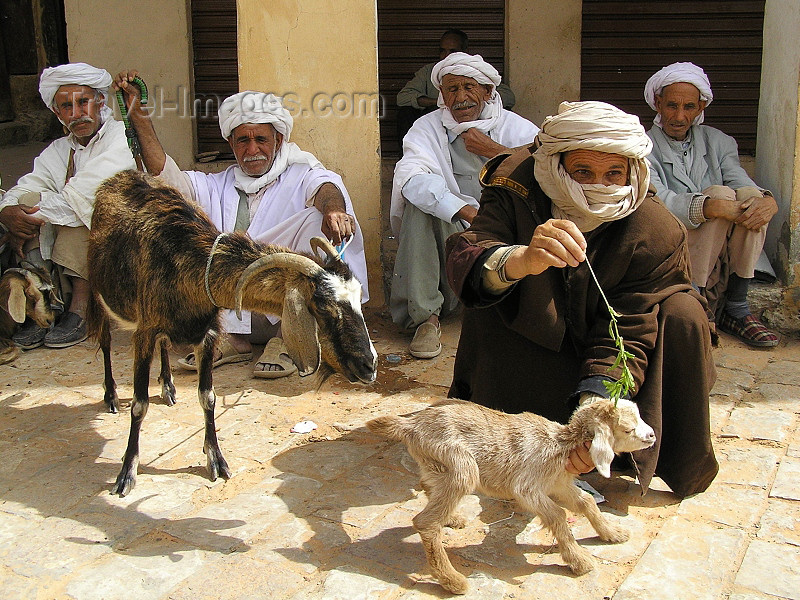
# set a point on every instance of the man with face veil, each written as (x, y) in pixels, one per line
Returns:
(535, 335)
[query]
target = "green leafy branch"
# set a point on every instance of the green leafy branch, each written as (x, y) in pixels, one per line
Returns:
(621, 387)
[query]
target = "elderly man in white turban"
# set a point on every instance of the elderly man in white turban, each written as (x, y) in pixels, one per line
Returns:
(49, 211)
(535, 334)
(696, 172)
(275, 192)
(435, 189)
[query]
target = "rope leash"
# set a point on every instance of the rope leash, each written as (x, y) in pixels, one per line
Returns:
(130, 132)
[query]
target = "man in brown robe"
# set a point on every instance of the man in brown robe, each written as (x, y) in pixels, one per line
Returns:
(535, 335)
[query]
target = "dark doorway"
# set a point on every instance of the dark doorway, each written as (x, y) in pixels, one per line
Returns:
(216, 73)
(408, 38)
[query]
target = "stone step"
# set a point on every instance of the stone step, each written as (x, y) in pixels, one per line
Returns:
(13, 133)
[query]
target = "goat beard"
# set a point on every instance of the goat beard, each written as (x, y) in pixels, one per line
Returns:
(321, 375)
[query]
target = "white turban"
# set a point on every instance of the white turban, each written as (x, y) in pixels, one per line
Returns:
(469, 65)
(680, 72)
(257, 108)
(75, 74)
(254, 107)
(592, 126)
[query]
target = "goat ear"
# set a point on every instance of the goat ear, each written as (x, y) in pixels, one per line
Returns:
(602, 452)
(299, 330)
(16, 300)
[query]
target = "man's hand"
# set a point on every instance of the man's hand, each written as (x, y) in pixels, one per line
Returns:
(758, 211)
(481, 144)
(467, 213)
(555, 243)
(131, 93)
(721, 203)
(580, 460)
(15, 243)
(153, 153)
(338, 226)
(19, 222)
(426, 102)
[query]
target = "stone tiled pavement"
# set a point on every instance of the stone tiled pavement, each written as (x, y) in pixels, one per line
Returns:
(327, 515)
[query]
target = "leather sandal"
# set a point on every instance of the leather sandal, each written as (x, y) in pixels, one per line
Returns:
(275, 353)
(228, 355)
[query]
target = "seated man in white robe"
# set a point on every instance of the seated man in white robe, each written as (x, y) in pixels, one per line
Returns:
(435, 190)
(48, 213)
(696, 172)
(276, 193)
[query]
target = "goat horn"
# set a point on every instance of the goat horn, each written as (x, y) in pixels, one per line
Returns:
(297, 262)
(327, 247)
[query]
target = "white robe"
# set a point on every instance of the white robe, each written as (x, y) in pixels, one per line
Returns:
(285, 215)
(106, 154)
(426, 149)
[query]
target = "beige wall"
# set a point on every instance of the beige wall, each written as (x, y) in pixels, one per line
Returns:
(303, 54)
(151, 36)
(777, 166)
(543, 54)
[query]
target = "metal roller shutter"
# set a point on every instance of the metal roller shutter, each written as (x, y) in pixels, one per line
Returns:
(216, 74)
(624, 43)
(408, 38)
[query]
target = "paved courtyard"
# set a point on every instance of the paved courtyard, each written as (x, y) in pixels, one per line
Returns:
(327, 514)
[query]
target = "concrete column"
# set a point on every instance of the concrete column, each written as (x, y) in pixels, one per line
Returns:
(543, 55)
(778, 164)
(303, 53)
(153, 37)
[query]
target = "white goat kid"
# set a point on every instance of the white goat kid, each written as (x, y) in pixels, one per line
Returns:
(462, 447)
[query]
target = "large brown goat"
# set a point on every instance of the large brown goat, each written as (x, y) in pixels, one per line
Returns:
(156, 262)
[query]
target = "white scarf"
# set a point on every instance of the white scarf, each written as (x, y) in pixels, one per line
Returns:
(591, 126)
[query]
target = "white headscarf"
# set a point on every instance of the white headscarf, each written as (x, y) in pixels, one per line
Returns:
(679, 72)
(75, 74)
(257, 107)
(469, 65)
(591, 126)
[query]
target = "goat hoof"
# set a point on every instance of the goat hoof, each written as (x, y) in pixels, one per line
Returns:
(168, 395)
(217, 467)
(124, 484)
(456, 583)
(112, 403)
(614, 534)
(580, 565)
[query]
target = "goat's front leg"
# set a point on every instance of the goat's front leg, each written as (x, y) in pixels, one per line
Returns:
(143, 356)
(581, 502)
(167, 387)
(109, 385)
(553, 517)
(205, 391)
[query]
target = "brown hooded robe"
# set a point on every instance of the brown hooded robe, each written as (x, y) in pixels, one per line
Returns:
(528, 348)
